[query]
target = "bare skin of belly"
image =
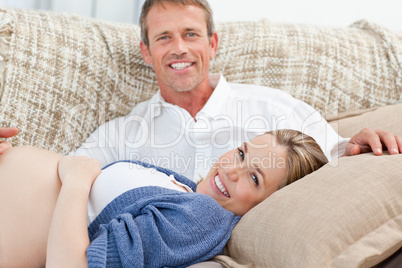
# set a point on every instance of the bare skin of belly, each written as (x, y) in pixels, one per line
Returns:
(29, 187)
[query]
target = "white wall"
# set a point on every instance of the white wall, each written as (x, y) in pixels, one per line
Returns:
(80, 7)
(387, 13)
(319, 12)
(113, 10)
(43, 4)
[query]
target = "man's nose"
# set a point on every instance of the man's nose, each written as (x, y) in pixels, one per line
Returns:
(179, 46)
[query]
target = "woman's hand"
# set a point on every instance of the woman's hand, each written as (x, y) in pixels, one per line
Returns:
(78, 170)
(6, 133)
(4, 146)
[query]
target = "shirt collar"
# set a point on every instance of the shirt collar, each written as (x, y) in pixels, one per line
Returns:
(156, 102)
(214, 105)
(158, 99)
(219, 96)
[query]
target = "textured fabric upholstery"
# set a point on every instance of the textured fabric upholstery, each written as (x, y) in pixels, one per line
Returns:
(66, 74)
(62, 75)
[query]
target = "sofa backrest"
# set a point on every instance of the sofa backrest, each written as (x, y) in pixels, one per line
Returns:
(63, 75)
(335, 70)
(66, 74)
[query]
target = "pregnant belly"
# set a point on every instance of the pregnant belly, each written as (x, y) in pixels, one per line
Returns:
(29, 187)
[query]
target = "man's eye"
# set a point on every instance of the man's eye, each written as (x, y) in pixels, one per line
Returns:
(255, 179)
(163, 38)
(241, 153)
(191, 34)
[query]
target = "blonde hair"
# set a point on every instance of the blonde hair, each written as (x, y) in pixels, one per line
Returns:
(203, 4)
(304, 155)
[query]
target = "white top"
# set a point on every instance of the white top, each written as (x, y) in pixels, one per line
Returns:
(121, 177)
(166, 135)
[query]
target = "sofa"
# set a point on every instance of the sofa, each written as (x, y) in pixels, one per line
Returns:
(62, 75)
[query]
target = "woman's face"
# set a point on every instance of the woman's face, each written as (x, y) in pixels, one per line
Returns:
(243, 177)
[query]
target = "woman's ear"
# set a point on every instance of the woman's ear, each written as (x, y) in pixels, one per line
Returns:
(145, 53)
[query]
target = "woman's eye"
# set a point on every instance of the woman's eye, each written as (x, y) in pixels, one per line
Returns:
(241, 153)
(255, 179)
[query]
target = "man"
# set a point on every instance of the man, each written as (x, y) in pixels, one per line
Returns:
(197, 116)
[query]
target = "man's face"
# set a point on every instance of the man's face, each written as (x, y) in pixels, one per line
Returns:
(179, 47)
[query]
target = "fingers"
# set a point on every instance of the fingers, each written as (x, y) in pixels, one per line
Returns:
(390, 141)
(399, 142)
(4, 146)
(368, 140)
(8, 132)
(374, 140)
(352, 149)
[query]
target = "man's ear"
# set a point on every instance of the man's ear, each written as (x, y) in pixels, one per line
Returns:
(145, 53)
(213, 43)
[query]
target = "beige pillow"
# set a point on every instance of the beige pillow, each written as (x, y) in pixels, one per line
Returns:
(347, 214)
(386, 118)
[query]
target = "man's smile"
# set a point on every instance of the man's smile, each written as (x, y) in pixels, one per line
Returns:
(181, 65)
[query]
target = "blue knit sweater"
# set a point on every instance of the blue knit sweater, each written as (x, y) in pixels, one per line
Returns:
(158, 227)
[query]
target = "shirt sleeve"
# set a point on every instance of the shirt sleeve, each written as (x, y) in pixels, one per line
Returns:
(113, 140)
(312, 123)
(102, 144)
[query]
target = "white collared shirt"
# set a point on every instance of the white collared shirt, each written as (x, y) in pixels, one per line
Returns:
(166, 135)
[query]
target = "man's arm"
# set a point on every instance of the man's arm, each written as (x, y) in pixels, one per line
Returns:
(367, 140)
(374, 140)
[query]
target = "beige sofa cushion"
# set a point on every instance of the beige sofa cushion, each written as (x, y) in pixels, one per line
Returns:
(347, 214)
(386, 118)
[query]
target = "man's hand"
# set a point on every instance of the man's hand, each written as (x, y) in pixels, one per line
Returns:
(6, 133)
(374, 140)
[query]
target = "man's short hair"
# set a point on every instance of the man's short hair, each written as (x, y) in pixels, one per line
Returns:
(203, 4)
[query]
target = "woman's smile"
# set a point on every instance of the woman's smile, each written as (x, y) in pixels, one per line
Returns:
(220, 185)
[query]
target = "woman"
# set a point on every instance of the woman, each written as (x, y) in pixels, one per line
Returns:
(46, 204)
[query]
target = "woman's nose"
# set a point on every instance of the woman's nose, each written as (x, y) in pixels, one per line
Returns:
(233, 173)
